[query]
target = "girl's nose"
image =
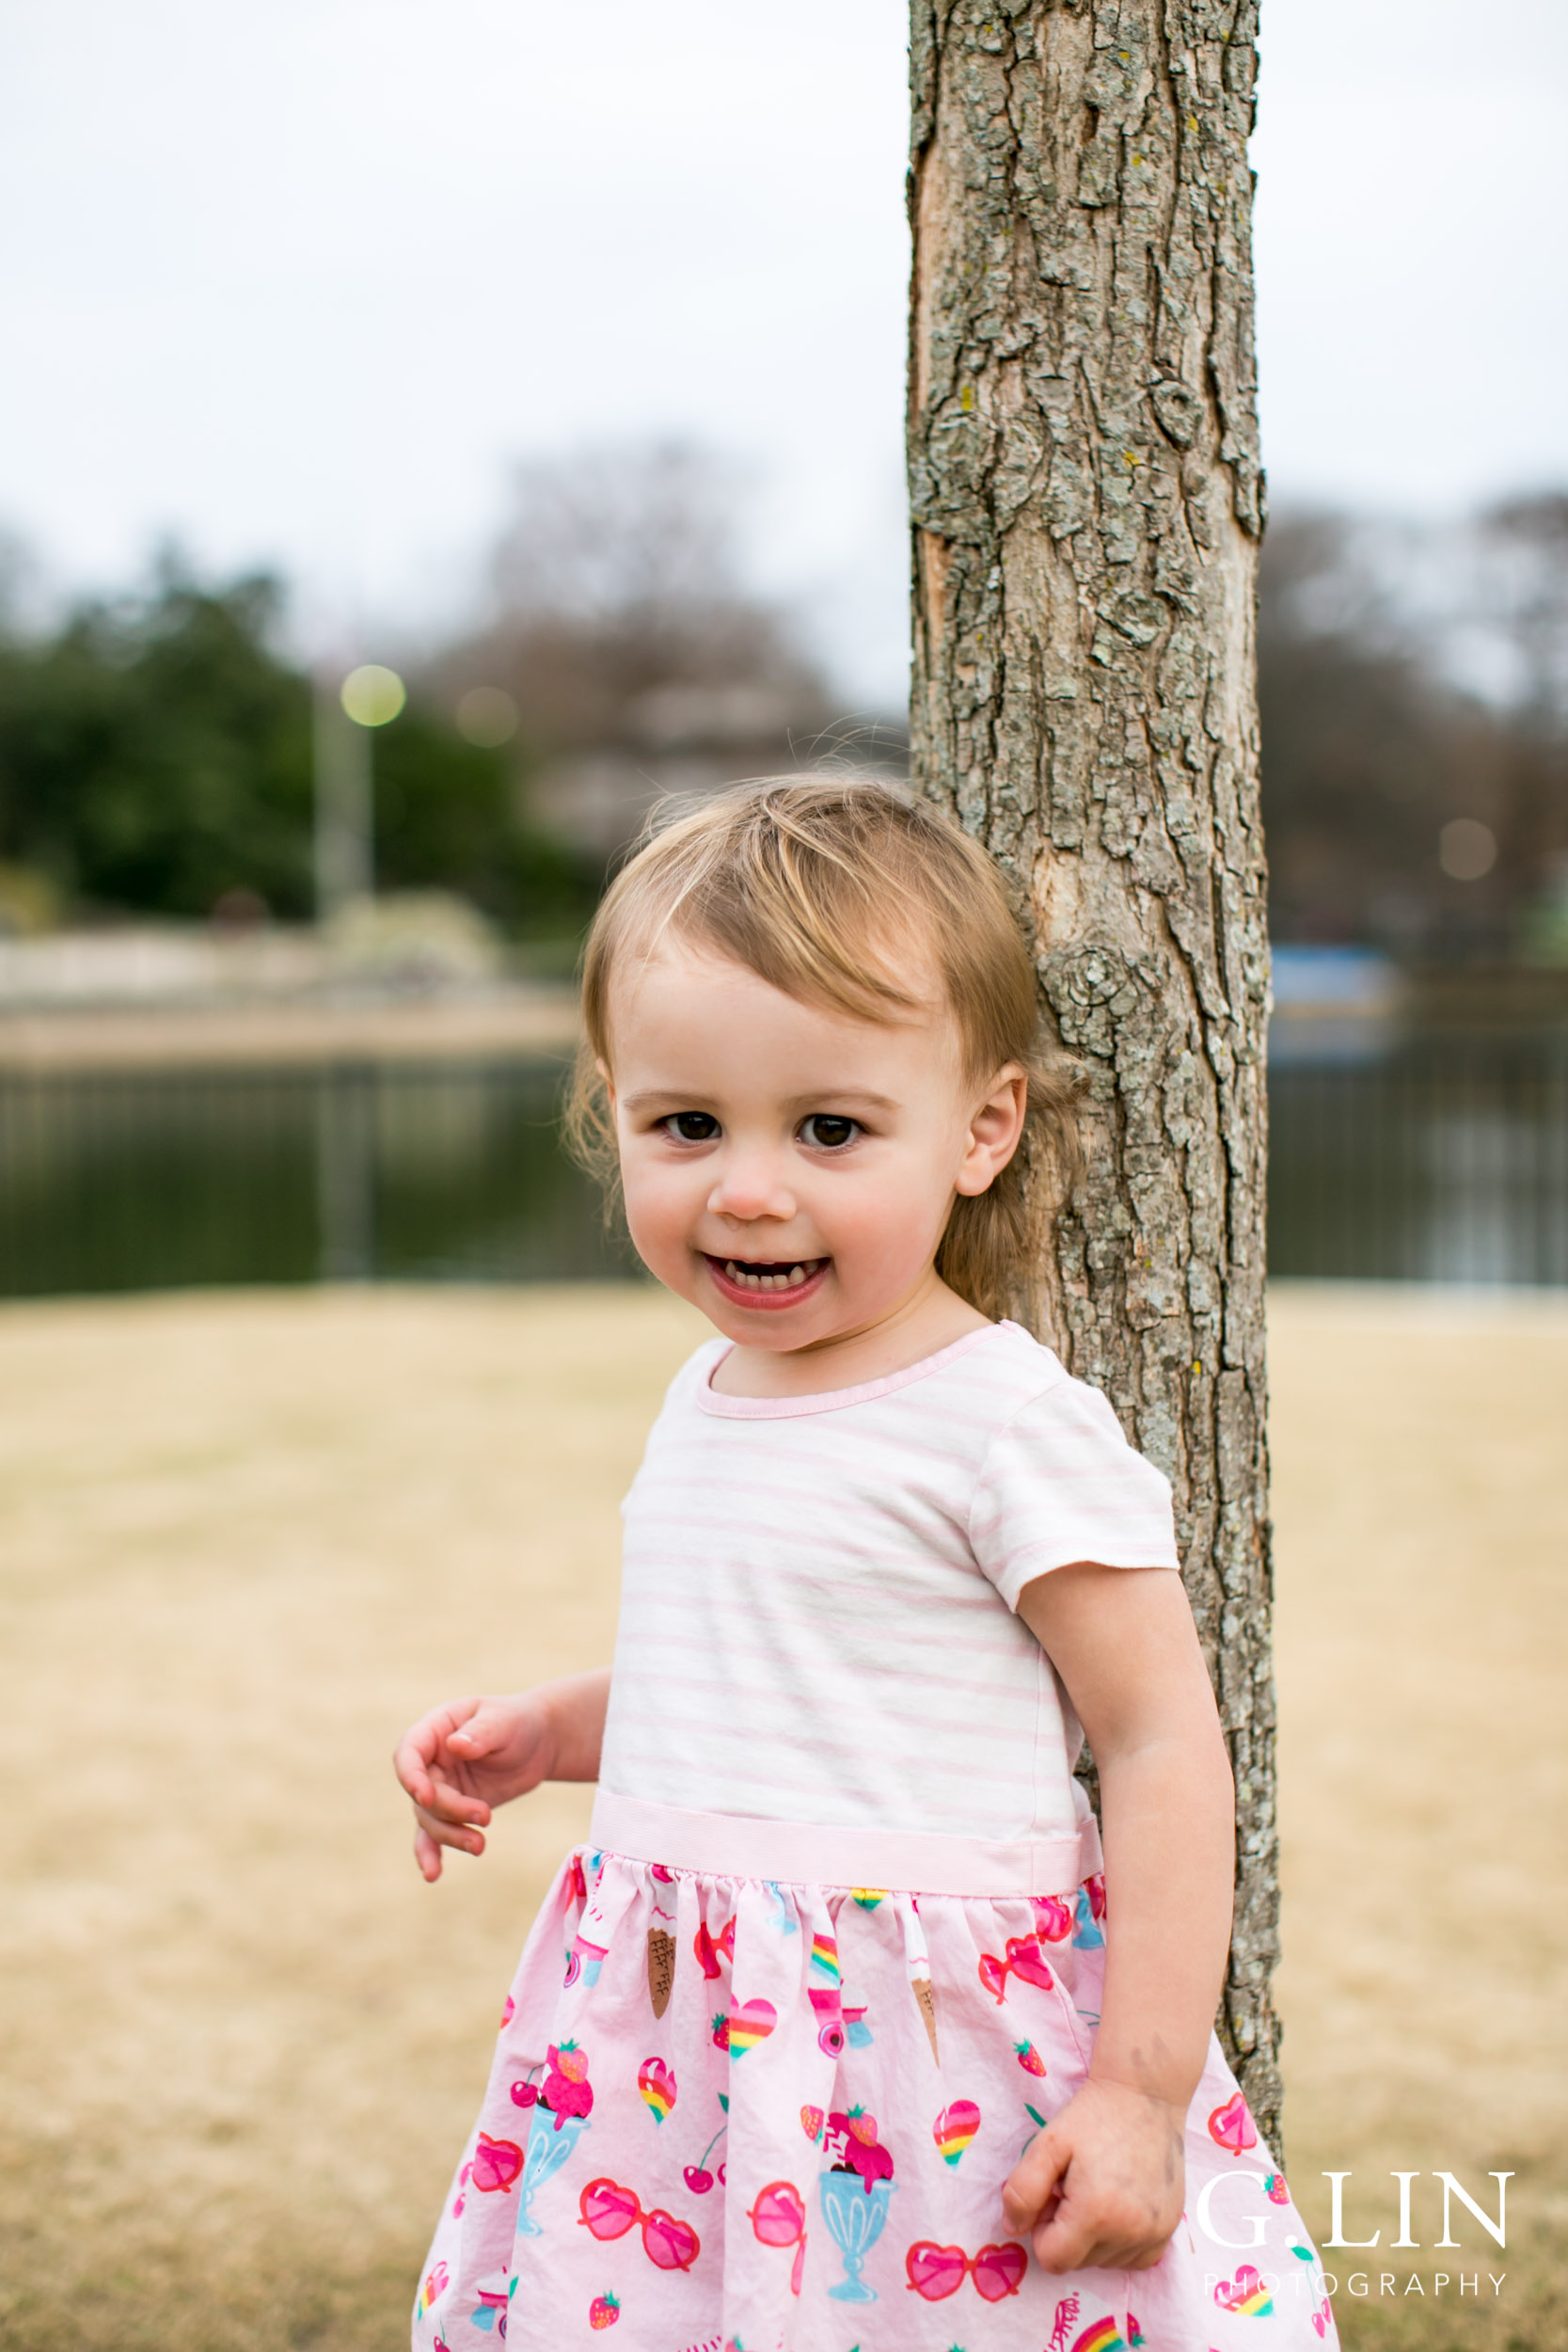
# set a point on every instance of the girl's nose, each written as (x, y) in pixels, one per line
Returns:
(751, 1185)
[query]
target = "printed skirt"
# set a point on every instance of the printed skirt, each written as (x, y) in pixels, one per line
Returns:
(754, 2093)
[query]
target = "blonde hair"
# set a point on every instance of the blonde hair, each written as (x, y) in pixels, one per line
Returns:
(816, 884)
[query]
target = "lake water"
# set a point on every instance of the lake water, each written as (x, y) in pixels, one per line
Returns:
(1426, 1159)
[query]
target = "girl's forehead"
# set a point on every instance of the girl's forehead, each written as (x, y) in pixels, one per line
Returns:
(673, 964)
(691, 995)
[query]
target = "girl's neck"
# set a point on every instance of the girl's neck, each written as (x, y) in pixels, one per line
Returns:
(930, 1319)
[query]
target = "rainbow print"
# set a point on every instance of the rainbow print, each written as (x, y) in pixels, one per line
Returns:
(658, 2086)
(1100, 2335)
(432, 2291)
(824, 1959)
(954, 2128)
(1245, 2295)
(751, 2023)
(869, 1897)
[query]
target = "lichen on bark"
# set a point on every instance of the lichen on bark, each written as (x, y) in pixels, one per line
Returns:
(1086, 502)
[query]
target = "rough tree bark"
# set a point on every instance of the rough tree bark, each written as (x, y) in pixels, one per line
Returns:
(1086, 503)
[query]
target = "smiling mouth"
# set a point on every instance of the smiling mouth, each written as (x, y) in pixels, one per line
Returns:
(766, 1276)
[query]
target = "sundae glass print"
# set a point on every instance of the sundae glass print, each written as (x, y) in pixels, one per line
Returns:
(855, 2212)
(550, 2143)
(557, 2121)
(855, 2195)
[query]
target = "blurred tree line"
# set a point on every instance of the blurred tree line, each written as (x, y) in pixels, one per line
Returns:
(155, 749)
(1413, 699)
(157, 756)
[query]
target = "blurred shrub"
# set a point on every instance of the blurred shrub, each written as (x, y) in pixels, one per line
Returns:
(447, 818)
(155, 756)
(154, 752)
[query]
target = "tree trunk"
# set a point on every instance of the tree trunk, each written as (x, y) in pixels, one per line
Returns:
(1086, 503)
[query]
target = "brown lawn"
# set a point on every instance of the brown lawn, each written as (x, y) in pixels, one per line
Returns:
(242, 1539)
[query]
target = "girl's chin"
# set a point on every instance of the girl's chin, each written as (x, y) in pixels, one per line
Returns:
(750, 1297)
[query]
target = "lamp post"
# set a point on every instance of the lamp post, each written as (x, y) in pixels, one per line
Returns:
(345, 871)
(344, 843)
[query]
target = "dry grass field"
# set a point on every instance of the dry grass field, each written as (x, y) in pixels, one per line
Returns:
(244, 1539)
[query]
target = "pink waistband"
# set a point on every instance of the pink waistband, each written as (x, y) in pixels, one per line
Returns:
(743, 1845)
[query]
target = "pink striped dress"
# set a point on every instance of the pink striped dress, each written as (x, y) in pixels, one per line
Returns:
(834, 1952)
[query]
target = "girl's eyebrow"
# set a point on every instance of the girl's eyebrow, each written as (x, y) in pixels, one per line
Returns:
(863, 1095)
(693, 1100)
(688, 1099)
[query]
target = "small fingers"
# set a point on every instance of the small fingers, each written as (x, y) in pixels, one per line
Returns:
(442, 1832)
(414, 1754)
(409, 1764)
(1073, 2238)
(1061, 2245)
(1030, 2192)
(454, 1805)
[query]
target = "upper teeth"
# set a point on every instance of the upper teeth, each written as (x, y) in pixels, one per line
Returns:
(752, 1281)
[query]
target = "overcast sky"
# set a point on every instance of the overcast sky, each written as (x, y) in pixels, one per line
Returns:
(297, 280)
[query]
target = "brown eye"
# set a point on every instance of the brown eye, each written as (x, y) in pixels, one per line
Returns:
(825, 1131)
(692, 1126)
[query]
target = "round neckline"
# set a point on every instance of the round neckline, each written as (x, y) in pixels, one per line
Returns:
(835, 1400)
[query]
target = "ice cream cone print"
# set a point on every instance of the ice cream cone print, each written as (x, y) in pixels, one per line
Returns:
(918, 1962)
(661, 1970)
(922, 1986)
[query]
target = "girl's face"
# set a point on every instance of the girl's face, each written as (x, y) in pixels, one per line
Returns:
(789, 1169)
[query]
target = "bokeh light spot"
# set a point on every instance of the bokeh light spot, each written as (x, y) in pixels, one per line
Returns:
(373, 695)
(1466, 850)
(485, 716)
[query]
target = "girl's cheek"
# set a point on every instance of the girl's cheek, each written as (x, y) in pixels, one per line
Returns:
(662, 1204)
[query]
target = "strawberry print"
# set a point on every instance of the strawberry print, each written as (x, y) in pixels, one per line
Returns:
(851, 2140)
(604, 2311)
(567, 2090)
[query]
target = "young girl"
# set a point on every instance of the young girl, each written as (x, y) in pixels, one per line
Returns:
(839, 2033)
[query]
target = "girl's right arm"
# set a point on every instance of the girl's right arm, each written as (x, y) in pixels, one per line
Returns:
(460, 1760)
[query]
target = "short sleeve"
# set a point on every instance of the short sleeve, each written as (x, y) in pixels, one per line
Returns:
(1060, 1484)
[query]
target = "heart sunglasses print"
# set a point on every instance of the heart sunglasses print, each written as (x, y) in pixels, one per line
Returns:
(1025, 1959)
(608, 2211)
(495, 2164)
(779, 2218)
(936, 2272)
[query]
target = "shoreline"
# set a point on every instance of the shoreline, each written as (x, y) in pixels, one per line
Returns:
(500, 1024)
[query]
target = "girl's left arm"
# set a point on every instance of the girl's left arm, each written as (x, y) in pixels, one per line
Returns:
(1103, 2183)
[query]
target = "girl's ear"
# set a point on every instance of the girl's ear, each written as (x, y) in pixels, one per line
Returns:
(995, 1130)
(603, 1068)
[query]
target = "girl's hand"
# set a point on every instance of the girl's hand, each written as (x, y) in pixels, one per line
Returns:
(1102, 2186)
(460, 1760)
